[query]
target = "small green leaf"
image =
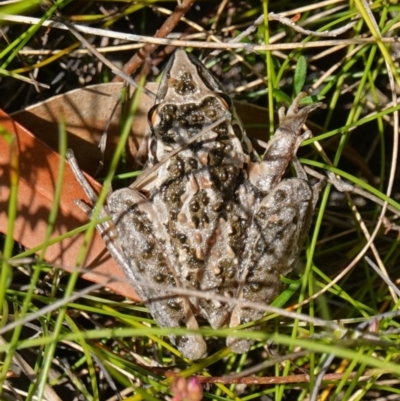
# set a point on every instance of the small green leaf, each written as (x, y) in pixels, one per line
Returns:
(311, 100)
(300, 75)
(284, 296)
(282, 96)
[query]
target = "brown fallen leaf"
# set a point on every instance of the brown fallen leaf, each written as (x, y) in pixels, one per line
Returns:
(87, 112)
(38, 166)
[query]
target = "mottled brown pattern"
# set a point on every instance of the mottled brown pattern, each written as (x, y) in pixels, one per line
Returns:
(215, 217)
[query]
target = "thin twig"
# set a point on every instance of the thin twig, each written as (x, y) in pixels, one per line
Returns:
(268, 363)
(205, 45)
(298, 28)
(133, 64)
(115, 70)
(302, 378)
(384, 277)
(343, 186)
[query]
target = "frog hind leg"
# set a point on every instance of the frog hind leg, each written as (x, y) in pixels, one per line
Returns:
(279, 227)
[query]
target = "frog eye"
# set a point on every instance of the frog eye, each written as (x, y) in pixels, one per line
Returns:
(226, 100)
(152, 114)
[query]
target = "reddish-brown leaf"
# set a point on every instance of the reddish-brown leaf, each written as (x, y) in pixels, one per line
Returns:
(38, 166)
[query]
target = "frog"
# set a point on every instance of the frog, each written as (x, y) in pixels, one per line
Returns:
(209, 214)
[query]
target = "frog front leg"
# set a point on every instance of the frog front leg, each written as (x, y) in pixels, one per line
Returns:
(265, 175)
